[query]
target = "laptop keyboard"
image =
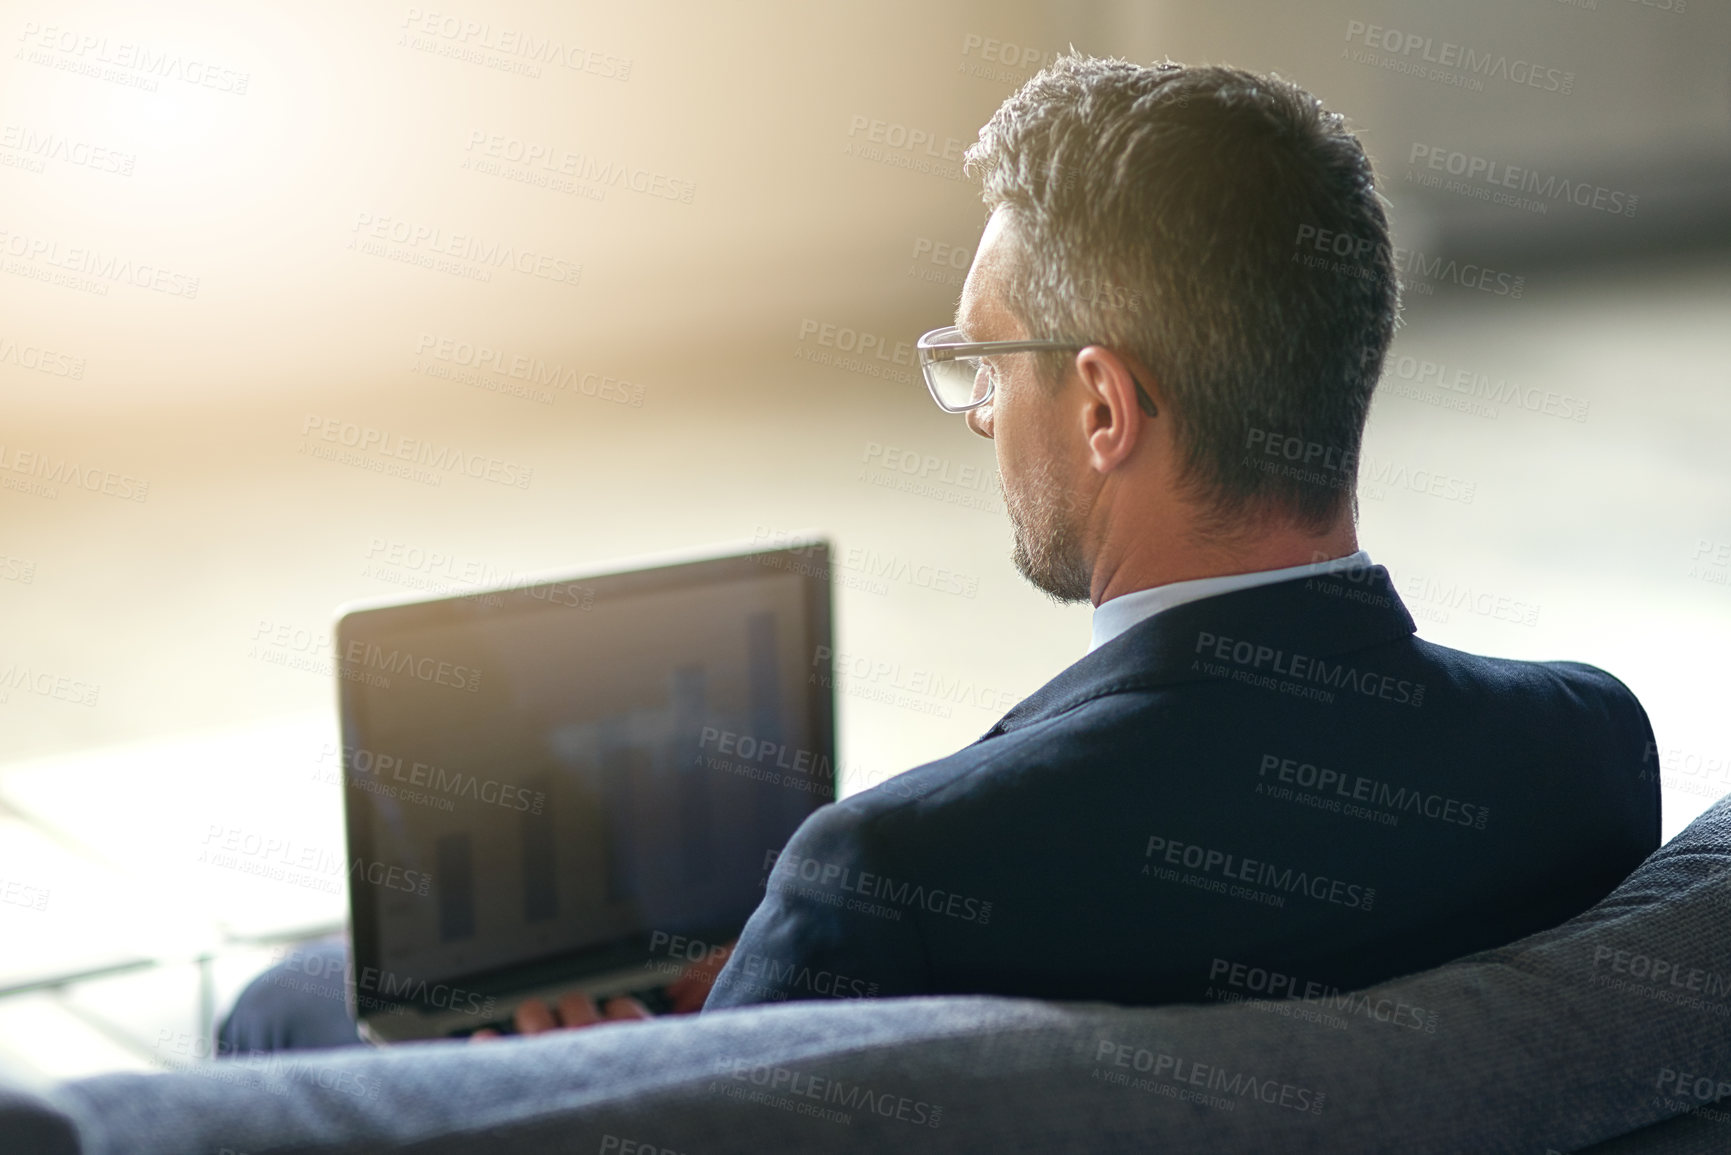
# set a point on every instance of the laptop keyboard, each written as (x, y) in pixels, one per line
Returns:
(655, 998)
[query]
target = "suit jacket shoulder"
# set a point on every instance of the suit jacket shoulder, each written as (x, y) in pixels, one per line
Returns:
(1283, 775)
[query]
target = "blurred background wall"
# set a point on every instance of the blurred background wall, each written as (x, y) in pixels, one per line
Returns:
(651, 273)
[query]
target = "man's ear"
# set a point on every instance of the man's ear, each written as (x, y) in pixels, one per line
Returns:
(1114, 412)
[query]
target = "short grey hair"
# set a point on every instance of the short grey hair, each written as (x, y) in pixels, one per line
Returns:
(1163, 211)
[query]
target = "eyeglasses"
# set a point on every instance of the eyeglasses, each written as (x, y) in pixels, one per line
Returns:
(960, 379)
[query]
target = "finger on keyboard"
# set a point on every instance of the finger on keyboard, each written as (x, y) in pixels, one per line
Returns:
(626, 1007)
(534, 1016)
(577, 1009)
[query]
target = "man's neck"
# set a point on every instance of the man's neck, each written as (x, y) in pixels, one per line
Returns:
(1149, 561)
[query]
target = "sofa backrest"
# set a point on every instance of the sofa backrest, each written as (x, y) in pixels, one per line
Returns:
(1616, 1021)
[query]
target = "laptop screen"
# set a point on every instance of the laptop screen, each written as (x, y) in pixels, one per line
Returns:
(540, 779)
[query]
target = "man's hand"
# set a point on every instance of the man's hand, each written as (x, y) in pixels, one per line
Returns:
(691, 988)
(575, 1011)
(571, 1012)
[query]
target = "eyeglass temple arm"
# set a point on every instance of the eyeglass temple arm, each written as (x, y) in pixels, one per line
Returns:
(950, 353)
(1143, 400)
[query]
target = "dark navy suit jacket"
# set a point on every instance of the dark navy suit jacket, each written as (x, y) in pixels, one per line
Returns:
(1274, 791)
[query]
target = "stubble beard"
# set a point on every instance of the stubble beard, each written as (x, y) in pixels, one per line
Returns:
(1047, 529)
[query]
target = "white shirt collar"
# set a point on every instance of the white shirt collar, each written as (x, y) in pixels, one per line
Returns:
(1114, 617)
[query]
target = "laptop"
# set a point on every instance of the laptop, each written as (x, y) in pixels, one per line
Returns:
(577, 784)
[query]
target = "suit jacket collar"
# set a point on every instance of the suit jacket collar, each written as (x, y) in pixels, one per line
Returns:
(1316, 617)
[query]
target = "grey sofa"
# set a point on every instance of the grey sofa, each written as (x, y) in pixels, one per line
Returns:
(1610, 1033)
